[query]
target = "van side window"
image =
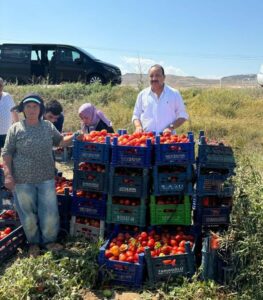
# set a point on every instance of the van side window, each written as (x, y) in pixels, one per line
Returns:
(69, 56)
(15, 54)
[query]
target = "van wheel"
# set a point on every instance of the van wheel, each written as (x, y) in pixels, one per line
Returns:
(95, 78)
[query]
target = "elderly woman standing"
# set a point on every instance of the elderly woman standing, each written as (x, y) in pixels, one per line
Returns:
(93, 119)
(29, 172)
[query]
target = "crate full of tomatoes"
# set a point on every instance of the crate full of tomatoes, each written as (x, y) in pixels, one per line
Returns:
(212, 153)
(89, 204)
(93, 147)
(9, 217)
(170, 252)
(90, 228)
(170, 210)
(214, 182)
(133, 150)
(11, 238)
(174, 149)
(64, 195)
(126, 210)
(129, 182)
(91, 177)
(123, 256)
(172, 179)
(212, 210)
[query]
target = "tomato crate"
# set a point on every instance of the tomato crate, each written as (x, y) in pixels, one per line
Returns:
(64, 203)
(215, 155)
(92, 152)
(212, 210)
(129, 182)
(10, 243)
(130, 211)
(131, 156)
(176, 153)
(91, 180)
(122, 273)
(92, 205)
(85, 229)
(172, 180)
(213, 265)
(164, 267)
(172, 209)
(63, 154)
(9, 217)
(214, 184)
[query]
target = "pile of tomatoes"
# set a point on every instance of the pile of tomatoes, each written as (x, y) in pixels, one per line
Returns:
(138, 139)
(126, 201)
(8, 214)
(96, 136)
(166, 200)
(5, 232)
(62, 183)
(126, 248)
(89, 195)
(88, 221)
(91, 167)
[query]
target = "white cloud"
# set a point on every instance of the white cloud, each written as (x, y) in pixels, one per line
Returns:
(142, 65)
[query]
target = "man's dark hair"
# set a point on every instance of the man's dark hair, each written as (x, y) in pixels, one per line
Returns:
(158, 67)
(54, 107)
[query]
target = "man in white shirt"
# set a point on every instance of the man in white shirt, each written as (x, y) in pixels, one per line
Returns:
(6, 116)
(158, 107)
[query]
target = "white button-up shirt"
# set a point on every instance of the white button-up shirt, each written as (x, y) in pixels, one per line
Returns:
(6, 103)
(155, 113)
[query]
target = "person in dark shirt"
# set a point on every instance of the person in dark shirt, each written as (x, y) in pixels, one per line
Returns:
(54, 114)
(93, 119)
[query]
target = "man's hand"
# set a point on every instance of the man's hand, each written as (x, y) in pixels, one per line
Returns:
(9, 182)
(138, 129)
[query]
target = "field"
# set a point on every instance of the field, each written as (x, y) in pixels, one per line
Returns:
(230, 115)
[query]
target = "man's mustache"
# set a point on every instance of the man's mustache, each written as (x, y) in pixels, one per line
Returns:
(154, 81)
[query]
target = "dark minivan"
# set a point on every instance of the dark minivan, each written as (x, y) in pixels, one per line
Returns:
(27, 63)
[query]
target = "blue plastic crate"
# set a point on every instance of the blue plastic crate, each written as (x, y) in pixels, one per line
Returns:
(6, 199)
(132, 183)
(89, 207)
(91, 180)
(131, 156)
(124, 273)
(217, 156)
(214, 184)
(176, 153)
(92, 152)
(64, 203)
(9, 244)
(168, 183)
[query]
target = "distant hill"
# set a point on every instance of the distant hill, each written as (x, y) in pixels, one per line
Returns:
(191, 81)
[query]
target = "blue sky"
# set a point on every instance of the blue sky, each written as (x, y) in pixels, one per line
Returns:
(205, 38)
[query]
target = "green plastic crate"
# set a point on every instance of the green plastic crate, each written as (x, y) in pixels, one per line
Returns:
(171, 214)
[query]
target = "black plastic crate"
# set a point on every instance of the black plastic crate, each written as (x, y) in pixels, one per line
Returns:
(92, 152)
(64, 203)
(9, 217)
(6, 199)
(176, 153)
(129, 182)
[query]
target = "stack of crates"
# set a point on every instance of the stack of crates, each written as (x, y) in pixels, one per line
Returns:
(129, 184)
(172, 186)
(214, 190)
(90, 188)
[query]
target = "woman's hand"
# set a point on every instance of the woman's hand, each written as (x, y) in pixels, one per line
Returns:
(9, 182)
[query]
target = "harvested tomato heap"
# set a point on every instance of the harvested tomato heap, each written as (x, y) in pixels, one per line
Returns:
(125, 247)
(62, 183)
(5, 232)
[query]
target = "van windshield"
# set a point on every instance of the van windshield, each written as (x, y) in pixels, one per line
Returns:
(87, 53)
